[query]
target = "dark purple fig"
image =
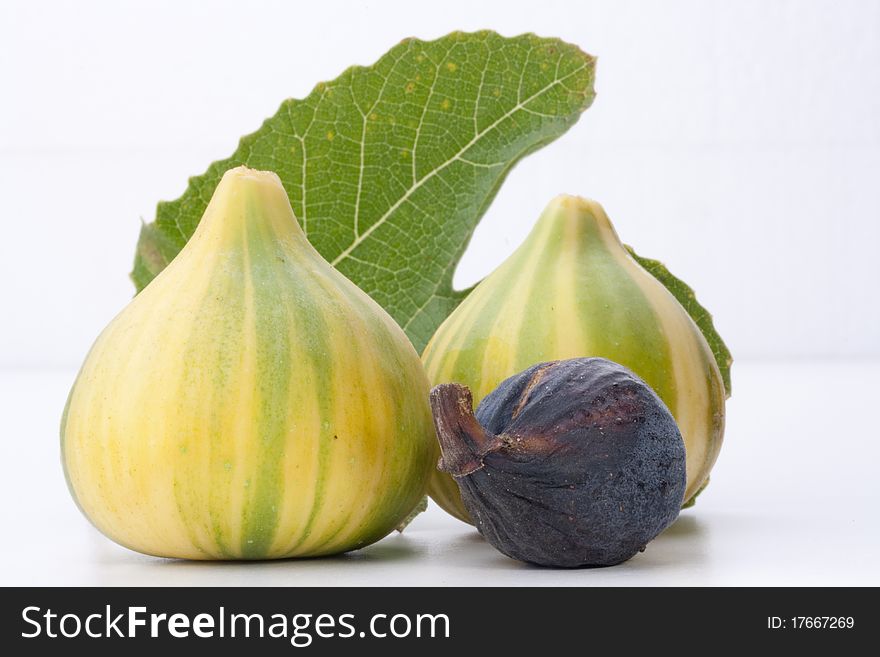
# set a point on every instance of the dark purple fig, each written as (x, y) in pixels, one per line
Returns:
(569, 463)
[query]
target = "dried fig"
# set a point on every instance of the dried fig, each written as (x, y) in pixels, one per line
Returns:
(568, 463)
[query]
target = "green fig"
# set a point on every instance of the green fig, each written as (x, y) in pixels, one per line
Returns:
(572, 290)
(251, 402)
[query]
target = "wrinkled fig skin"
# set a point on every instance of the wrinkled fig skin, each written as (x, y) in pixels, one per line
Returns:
(569, 463)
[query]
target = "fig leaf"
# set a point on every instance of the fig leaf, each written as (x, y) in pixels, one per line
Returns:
(390, 167)
(702, 318)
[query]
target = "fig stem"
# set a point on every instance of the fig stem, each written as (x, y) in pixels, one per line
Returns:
(463, 442)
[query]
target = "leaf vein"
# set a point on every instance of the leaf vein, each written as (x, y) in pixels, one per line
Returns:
(339, 258)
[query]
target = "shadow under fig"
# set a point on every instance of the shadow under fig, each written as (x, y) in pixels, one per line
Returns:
(686, 526)
(682, 542)
(154, 570)
(393, 548)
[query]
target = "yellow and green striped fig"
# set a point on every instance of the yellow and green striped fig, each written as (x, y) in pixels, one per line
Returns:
(573, 290)
(251, 402)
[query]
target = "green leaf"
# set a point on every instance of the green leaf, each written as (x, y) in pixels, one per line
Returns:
(702, 318)
(389, 168)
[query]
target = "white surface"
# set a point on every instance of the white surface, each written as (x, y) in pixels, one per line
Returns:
(737, 141)
(793, 502)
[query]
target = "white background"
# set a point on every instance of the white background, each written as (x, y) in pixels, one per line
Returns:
(737, 142)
